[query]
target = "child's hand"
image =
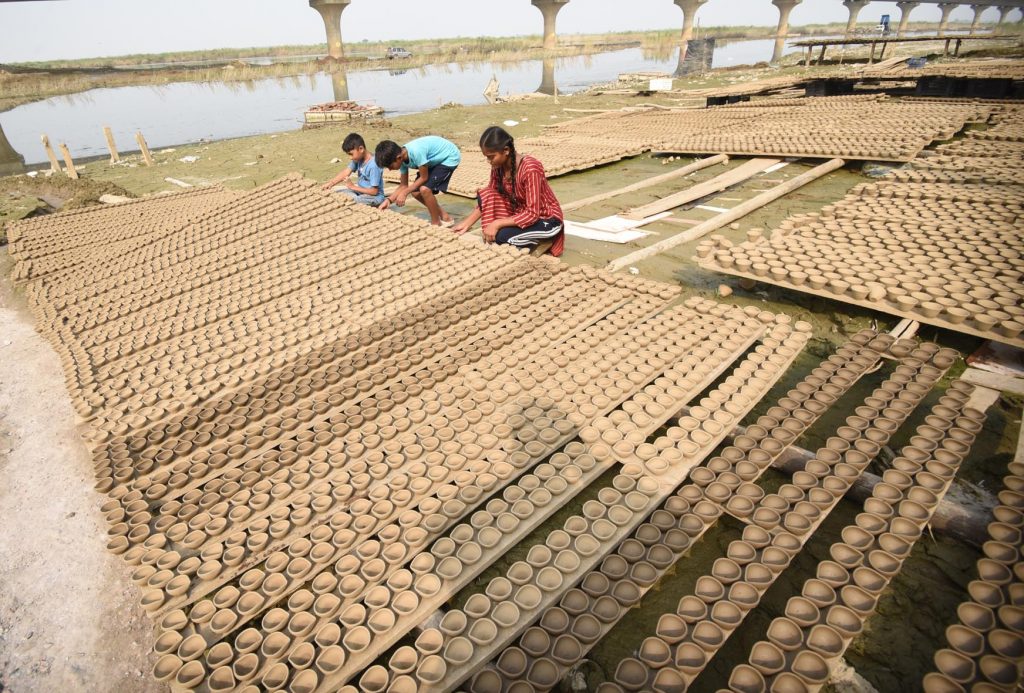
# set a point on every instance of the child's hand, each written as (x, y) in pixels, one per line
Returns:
(460, 228)
(400, 200)
(385, 204)
(490, 232)
(327, 186)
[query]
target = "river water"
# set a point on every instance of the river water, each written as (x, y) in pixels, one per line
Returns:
(192, 111)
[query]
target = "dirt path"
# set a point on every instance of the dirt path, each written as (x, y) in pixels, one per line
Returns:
(69, 615)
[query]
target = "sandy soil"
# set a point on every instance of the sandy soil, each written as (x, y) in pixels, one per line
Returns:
(69, 615)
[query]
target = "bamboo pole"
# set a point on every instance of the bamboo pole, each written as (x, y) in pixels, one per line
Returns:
(114, 156)
(678, 173)
(69, 163)
(54, 164)
(146, 156)
(726, 218)
(744, 171)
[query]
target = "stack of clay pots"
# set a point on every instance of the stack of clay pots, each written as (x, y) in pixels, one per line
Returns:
(987, 645)
(819, 624)
(855, 127)
(936, 249)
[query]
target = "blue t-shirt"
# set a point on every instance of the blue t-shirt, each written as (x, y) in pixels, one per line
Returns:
(431, 151)
(369, 173)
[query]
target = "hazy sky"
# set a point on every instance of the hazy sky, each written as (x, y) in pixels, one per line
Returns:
(91, 28)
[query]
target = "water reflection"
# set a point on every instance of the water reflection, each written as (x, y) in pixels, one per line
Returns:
(11, 162)
(696, 57)
(339, 81)
(547, 80)
(180, 112)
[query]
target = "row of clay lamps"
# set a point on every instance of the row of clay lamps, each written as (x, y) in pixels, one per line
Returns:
(329, 363)
(644, 558)
(426, 523)
(77, 284)
(187, 442)
(860, 128)
(521, 502)
(622, 486)
(371, 427)
(41, 248)
(780, 524)
(560, 154)
(970, 278)
(439, 655)
(820, 623)
(215, 361)
(158, 241)
(283, 489)
(987, 645)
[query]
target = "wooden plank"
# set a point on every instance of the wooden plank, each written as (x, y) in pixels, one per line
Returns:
(994, 381)
(114, 156)
(732, 215)
(54, 164)
(678, 173)
(69, 163)
(743, 172)
(146, 156)
(708, 263)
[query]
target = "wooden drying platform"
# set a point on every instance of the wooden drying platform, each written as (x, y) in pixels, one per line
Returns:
(957, 39)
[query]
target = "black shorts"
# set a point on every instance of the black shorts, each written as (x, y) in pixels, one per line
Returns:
(438, 178)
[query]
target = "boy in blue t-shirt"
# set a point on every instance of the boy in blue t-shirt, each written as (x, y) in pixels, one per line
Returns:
(435, 159)
(369, 186)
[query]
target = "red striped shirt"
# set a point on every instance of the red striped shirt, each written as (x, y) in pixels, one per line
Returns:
(534, 198)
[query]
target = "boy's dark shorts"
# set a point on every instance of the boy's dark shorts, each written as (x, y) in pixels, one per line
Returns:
(438, 178)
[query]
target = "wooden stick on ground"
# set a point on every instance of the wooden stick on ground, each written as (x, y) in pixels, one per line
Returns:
(728, 179)
(146, 156)
(69, 163)
(114, 156)
(678, 173)
(54, 164)
(726, 218)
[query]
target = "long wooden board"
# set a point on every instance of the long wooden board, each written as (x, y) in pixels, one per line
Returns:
(671, 175)
(743, 172)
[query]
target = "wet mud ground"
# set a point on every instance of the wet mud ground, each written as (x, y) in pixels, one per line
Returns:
(896, 647)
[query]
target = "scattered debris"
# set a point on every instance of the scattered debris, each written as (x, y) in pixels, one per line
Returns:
(724, 291)
(190, 159)
(510, 123)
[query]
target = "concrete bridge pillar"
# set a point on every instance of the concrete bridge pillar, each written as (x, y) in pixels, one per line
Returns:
(11, 162)
(854, 6)
(947, 9)
(1004, 12)
(978, 11)
(331, 11)
(905, 9)
(785, 8)
(550, 10)
(689, 8)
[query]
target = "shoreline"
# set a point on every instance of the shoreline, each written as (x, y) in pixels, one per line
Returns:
(36, 81)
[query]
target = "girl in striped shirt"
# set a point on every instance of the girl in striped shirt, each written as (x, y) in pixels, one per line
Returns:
(517, 207)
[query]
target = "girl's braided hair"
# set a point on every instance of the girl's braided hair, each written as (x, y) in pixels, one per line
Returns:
(495, 139)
